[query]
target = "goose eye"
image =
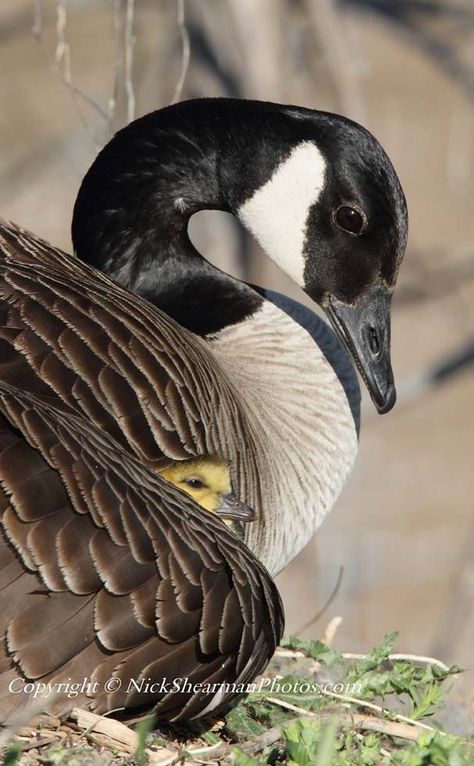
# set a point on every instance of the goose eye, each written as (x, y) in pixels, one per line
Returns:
(350, 219)
(195, 483)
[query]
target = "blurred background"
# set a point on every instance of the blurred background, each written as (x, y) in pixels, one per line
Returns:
(73, 72)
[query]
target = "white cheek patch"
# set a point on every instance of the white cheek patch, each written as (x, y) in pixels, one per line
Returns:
(277, 213)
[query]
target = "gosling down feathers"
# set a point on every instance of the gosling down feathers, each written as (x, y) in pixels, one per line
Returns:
(138, 354)
(207, 480)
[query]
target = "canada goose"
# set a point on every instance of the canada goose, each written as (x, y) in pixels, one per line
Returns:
(207, 480)
(107, 570)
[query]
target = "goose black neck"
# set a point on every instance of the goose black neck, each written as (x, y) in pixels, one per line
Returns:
(133, 208)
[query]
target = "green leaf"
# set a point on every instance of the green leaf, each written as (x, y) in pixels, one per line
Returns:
(426, 702)
(327, 745)
(210, 738)
(242, 759)
(377, 655)
(316, 650)
(241, 725)
(143, 729)
(12, 755)
(301, 738)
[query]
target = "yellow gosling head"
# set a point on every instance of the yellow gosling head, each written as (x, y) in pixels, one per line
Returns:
(207, 480)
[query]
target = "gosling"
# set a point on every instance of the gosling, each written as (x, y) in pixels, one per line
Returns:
(207, 480)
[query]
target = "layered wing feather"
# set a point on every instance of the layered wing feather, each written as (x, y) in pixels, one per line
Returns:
(105, 569)
(136, 583)
(68, 331)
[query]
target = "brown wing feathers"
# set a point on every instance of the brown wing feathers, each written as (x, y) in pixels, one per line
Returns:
(105, 569)
(178, 403)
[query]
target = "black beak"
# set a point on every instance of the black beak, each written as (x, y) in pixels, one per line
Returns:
(364, 328)
(232, 508)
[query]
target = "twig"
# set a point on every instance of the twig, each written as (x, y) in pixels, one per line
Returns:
(213, 751)
(266, 739)
(112, 101)
(331, 630)
(116, 734)
(115, 731)
(129, 42)
(62, 55)
(416, 658)
(37, 744)
(376, 708)
(325, 606)
(37, 30)
(23, 717)
(185, 52)
(406, 730)
(121, 102)
(296, 655)
(403, 657)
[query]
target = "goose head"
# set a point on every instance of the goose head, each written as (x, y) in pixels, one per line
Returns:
(332, 214)
(316, 190)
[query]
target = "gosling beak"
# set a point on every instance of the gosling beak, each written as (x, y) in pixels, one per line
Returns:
(364, 328)
(232, 508)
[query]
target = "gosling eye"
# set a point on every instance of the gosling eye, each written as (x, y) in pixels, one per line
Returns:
(350, 219)
(194, 483)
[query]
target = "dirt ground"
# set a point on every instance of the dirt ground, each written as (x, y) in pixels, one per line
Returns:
(404, 526)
